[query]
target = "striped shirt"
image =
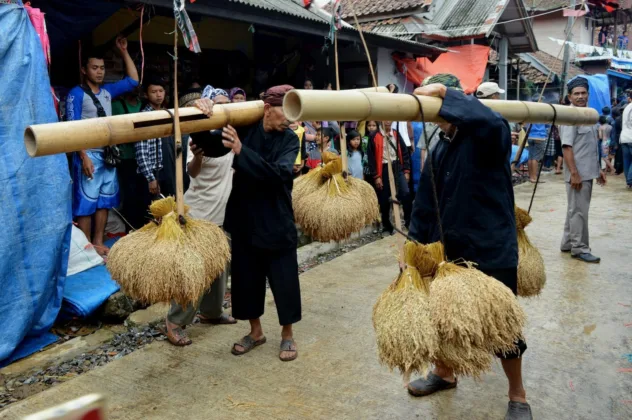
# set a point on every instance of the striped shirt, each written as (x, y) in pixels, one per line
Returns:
(149, 155)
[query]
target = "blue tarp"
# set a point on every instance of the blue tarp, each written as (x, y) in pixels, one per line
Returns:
(599, 91)
(85, 292)
(35, 195)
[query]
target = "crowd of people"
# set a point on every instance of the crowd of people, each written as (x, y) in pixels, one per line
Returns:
(241, 179)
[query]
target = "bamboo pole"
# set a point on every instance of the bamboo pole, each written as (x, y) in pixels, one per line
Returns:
(176, 128)
(343, 134)
(308, 105)
(72, 136)
(389, 165)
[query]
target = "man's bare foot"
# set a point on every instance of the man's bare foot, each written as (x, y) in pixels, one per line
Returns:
(101, 249)
(518, 396)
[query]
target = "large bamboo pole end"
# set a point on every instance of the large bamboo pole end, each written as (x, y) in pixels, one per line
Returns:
(30, 142)
(292, 106)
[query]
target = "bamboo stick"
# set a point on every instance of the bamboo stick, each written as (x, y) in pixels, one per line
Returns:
(72, 136)
(343, 134)
(308, 105)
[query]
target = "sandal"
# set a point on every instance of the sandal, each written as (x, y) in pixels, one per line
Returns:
(248, 343)
(286, 345)
(224, 319)
(177, 336)
(429, 385)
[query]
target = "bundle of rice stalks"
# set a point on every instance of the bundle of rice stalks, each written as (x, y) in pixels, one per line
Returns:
(167, 261)
(531, 273)
(328, 207)
(474, 315)
(406, 337)
(425, 258)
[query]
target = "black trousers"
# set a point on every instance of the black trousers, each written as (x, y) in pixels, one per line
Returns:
(250, 267)
(509, 277)
(402, 194)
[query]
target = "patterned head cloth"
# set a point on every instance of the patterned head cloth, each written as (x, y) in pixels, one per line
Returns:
(577, 81)
(446, 79)
(274, 96)
(236, 91)
(210, 92)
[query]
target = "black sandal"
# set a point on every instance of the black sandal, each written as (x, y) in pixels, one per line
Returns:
(429, 385)
(248, 343)
(286, 345)
(224, 319)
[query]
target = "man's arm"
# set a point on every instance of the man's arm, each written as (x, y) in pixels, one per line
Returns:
(131, 81)
(567, 137)
(278, 172)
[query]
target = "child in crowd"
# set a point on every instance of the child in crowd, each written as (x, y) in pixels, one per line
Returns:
(299, 164)
(356, 155)
(323, 142)
(604, 142)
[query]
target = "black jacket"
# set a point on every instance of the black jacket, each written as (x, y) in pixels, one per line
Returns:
(259, 209)
(474, 188)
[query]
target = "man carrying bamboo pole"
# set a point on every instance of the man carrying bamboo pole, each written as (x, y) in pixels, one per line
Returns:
(581, 165)
(260, 219)
(476, 205)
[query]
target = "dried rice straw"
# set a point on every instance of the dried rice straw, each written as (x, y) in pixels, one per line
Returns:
(531, 272)
(327, 207)
(167, 261)
(406, 337)
(473, 314)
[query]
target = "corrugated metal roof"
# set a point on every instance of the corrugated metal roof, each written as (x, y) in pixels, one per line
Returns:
(373, 7)
(466, 18)
(288, 7)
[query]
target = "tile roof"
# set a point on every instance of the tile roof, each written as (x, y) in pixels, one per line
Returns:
(287, 7)
(374, 7)
(531, 73)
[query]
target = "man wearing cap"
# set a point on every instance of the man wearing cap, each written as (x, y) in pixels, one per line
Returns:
(580, 147)
(491, 90)
(476, 205)
(260, 219)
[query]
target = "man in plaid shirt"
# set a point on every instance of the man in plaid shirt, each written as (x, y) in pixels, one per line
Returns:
(149, 158)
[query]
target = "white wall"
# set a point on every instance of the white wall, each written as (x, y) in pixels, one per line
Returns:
(554, 25)
(387, 71)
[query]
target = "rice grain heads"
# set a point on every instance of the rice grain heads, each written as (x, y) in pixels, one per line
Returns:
(167, 261)
(406, 337)
(531, 272)
(329, 207)
(475, 316)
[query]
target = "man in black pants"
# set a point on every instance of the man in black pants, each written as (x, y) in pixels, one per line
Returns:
(260, 219)
(476, 204)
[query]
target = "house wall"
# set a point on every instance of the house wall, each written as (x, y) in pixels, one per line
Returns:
(387, 71)
(554, 25)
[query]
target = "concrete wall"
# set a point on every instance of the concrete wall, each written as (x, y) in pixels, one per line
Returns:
(387, 71)
(554, 25)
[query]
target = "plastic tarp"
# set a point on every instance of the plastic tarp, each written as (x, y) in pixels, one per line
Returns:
(35, 195)
(86, 291)
(467, 62)
(598, 91)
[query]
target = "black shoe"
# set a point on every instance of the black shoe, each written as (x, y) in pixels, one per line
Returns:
(587, 257)
(430, 385)
(518, 411)
(565, 250)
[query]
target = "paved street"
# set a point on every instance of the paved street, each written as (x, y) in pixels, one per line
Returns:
(578, 366)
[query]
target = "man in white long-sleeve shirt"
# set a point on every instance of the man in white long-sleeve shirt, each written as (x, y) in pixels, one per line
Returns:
(625, 142)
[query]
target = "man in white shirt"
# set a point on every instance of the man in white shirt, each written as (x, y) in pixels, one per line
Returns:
(625, 142)
(207, 196)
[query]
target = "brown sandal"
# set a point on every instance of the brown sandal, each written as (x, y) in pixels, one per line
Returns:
(177, 337)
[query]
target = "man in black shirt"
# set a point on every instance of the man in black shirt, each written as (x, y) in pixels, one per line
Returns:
(476, 205)
(260, 219)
